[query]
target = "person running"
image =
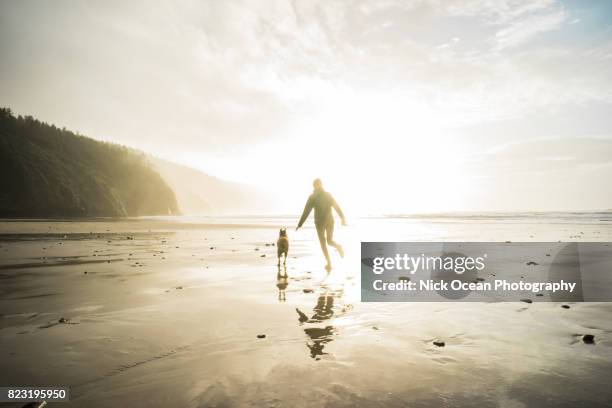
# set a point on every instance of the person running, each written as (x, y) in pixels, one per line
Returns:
(322, 202)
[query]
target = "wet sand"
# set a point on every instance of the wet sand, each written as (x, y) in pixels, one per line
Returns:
(167, 312)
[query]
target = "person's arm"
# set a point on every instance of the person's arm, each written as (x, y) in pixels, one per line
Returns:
(306, 212)
(338, 211)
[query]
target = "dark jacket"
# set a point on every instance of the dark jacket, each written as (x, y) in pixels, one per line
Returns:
(322, 202)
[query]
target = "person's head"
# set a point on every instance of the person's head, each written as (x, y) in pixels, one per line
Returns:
(317, 184)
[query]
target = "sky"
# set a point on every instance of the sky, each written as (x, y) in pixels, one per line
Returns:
(399, 106)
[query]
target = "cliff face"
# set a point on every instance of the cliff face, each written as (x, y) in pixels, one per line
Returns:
(199, 193)
(50, 172)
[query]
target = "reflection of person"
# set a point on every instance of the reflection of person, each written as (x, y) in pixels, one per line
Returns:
(322, 202)
(319, 336)
(324, 310)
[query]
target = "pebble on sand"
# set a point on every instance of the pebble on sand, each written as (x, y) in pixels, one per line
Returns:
(439, 343)
(307, 290)
(532, 263)
(263, 256)
(261, 336)
(404, 278)
(565, 306)
(588, 339)
(527, 300)
(62, 320)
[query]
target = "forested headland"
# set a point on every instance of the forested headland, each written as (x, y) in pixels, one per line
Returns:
(46, 171)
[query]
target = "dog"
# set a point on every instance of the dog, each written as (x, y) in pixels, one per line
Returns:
(282, 245)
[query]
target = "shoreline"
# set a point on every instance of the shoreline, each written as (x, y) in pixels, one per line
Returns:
(175, 317)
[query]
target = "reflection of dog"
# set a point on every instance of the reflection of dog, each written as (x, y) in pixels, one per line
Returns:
(282, 245)
(282, 283)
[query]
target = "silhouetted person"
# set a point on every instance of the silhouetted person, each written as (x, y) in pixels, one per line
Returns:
(322, 202)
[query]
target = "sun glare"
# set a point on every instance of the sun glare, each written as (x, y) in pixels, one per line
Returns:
(377, 154)
(391, 152)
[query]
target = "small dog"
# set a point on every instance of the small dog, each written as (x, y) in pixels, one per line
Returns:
(282, 245)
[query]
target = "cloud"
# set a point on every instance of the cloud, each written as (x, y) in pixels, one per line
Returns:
(212, 83)
(522, 30)
(544, 174)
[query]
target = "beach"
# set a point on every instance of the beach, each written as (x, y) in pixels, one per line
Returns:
(194, 312)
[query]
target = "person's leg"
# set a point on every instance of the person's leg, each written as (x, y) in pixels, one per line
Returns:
(321, 235)
(329, 230)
